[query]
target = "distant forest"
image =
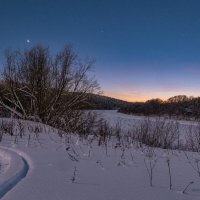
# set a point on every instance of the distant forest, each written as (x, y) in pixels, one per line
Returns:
(177, 106)
(100, 102)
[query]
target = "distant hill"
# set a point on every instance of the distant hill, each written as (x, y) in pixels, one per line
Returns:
(103, 102)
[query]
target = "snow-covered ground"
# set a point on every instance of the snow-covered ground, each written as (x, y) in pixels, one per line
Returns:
(50, 168)
(127, 122)
(112, 116)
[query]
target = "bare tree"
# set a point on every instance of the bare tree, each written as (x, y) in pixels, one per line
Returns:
(51, 89)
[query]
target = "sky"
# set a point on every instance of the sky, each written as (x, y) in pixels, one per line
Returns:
(143, 49)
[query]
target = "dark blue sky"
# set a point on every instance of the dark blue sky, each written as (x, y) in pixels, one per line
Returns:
(143, 48)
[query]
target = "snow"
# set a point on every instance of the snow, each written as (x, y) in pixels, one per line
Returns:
(127, 122)
(86, 171)
(16, 169)
(113, 115)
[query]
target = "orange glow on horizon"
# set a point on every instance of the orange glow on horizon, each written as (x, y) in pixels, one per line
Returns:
(125, 97)
(142, 98)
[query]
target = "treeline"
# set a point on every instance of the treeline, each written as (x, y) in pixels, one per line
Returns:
(177, 106)
(100, 102)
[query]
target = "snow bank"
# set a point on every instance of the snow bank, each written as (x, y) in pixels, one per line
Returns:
(18, 164)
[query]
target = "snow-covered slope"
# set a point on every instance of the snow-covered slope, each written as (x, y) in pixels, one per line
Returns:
(14, 167)
(79, 170)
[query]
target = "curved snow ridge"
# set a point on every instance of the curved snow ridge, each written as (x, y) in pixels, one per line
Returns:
(19, 165)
